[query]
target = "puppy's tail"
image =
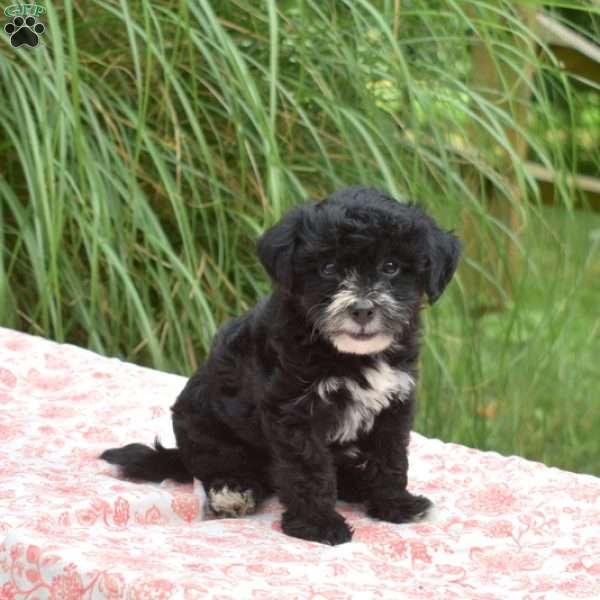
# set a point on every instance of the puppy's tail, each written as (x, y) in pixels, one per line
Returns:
(137, 461)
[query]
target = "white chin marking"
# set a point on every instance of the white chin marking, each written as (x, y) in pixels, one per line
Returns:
(346, 343)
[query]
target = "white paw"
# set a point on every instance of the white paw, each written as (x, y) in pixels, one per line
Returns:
(231, 503)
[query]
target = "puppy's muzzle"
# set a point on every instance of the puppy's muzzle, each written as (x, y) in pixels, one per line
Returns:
(362, 311)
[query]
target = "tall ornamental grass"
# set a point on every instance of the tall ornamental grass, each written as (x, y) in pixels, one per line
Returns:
(146, 145)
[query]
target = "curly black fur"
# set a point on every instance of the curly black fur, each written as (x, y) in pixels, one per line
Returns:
(311, 392)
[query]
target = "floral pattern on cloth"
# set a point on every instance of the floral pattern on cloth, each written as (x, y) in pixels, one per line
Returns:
(71, 529)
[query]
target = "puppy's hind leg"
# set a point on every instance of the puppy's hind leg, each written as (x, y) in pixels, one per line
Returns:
(234, 475)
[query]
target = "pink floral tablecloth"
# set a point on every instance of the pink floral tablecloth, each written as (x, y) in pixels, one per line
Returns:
(70, 529)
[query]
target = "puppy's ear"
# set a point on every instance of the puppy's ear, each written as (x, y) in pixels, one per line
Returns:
(443, 252)
(275, 249)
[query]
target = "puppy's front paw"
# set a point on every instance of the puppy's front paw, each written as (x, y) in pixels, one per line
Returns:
(402, 509)
(329, 529)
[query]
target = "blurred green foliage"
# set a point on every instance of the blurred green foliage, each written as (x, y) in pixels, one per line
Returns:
(146, 145)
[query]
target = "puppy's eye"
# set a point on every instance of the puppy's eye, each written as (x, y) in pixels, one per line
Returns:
(390, 267)
(329, 270)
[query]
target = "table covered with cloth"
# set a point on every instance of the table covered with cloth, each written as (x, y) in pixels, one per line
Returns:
(70, 528)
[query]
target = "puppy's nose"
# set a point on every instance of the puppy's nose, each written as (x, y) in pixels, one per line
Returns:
(362, 311)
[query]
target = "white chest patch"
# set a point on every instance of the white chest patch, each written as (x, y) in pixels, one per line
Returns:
(383, 385)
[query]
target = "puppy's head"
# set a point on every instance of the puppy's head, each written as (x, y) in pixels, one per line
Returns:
(358, 264)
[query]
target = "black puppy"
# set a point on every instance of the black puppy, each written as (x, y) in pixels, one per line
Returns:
(311, 393)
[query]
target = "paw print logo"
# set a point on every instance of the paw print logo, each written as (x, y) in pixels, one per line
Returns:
(24, 31)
